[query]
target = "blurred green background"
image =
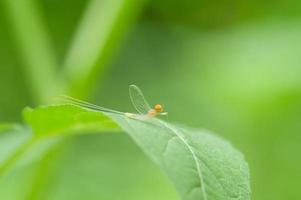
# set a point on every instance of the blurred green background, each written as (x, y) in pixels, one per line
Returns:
(229, 66)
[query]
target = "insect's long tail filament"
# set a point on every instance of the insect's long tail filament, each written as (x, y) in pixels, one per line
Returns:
(85, 104)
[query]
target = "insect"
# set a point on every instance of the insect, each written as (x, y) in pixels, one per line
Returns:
(137, 98)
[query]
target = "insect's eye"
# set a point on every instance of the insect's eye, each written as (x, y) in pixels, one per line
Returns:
(158, 108)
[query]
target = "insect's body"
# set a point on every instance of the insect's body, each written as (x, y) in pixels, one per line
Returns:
(150, 114)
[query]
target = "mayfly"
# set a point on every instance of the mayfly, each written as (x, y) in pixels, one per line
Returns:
(137, 98)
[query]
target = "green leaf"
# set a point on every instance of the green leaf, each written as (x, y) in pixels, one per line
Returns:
(201, 165)
(49, 120)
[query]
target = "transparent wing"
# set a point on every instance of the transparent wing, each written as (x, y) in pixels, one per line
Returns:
(138, 100)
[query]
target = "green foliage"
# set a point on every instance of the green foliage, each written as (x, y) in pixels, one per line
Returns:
(232, 67)
(66, 118)
(200, 165)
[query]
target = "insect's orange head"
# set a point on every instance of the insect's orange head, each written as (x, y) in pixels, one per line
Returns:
(159, 108)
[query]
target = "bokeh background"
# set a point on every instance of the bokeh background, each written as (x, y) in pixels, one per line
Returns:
(229, 66)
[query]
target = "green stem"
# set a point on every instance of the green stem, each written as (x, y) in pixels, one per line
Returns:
(100, 30)
(33, 45)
